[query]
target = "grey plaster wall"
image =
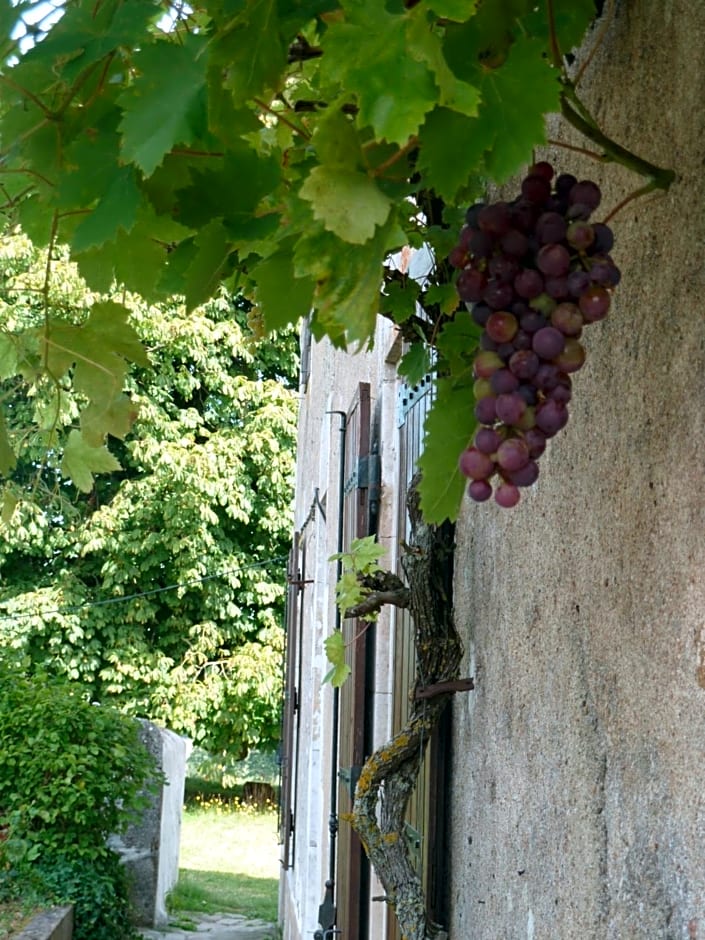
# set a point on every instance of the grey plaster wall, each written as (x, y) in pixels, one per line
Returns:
(579, 761)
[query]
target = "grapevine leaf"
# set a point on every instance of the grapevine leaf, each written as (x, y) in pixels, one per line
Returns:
(117, 209)
(348, 279)
(335, 651)
(459, 10)
(395, 94)
(85, 34)
(425, 45)
(363, 555)
(116, 419)
(451, 168)
(415, 363)
(447, 432)
(8, 458)
(158, 107)
(251, 50)
(516, 97)
(399, 300)
(282, 296)
(347, 202)
(81, 461)
(9, 504)
(210, 261)
(8, 355)
(336, 141)
(445, 295)
(108, 324)
(458, 343)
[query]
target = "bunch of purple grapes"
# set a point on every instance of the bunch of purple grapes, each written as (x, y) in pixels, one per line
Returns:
(533, 273)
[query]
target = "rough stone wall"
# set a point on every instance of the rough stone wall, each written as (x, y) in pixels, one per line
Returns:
(579, 804)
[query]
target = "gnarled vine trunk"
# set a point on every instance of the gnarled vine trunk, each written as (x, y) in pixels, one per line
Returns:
(390, 774)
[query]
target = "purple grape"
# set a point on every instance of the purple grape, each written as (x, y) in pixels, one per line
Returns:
(542, 168)
(536, 189)
(550, 228)
(480, 313)
(604, 238)
(480, 244)
(524, 364)
(536, 442)
(557, 287)
(526, 475)
(563, 391)
(481, 388)
(503, 381)
(509, 408)
(551, 416)
(585, 193)
(522, 340)
(564, 183)
(507, 495)
(487, 440)
(524, 215)
(476, 465)
(487, 344)
(515, 243)
(505, 350)
(572, 358)
(458, 257)
(553, 260)
(578, 283)
(470, 285)
(547, 376)
(594, 304)
(528, 283)
(480, 490)
(503, 268)
(495, 219)
(568, 319)
(528, 393)
(473, 212)
(532, 321)
(486, 363)
(604, 271)
(548, 342)
(513, 454)
(501, 326)
(486, 410)
(498, 296)
(580, 235)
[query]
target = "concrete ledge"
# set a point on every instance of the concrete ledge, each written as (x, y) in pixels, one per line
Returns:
(56, 924)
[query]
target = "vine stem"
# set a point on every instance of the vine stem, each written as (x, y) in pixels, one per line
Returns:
(642, 191)
(575, 112)
(280, 117)
(599, 157)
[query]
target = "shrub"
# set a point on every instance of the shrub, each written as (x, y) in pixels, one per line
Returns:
(71, 774)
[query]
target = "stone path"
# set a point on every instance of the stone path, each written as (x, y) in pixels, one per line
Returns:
(213, 927)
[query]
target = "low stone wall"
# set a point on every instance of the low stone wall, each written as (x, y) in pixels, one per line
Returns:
(56, 924)
(149, 848)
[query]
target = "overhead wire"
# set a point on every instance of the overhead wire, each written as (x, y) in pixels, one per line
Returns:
(123, 598)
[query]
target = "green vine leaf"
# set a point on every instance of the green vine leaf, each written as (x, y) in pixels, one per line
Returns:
(349, 203)
(81, 461)
(160, 108)
(334, 646)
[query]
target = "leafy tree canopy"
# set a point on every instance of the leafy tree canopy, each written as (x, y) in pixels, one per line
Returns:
(282, 148)
(160, 587)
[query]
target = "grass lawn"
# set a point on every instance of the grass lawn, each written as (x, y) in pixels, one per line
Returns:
(229, 861)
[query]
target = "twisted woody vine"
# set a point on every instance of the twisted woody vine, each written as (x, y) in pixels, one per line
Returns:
(281, 152)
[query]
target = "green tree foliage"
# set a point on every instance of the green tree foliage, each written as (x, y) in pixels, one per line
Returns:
(160, 588)
(283, 148)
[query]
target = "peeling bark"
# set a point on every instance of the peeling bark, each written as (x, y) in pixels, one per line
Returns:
(390, 774)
